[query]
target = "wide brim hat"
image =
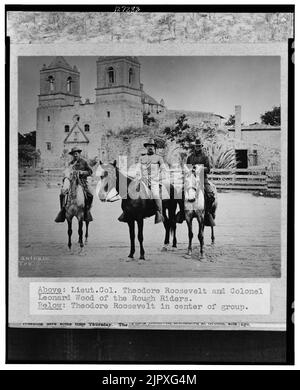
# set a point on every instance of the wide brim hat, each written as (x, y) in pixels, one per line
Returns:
(75, 149)
(197, 142)
(151, 142)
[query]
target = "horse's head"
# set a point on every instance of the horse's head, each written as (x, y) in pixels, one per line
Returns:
(193, 181)
(106, 187)
(69, 176)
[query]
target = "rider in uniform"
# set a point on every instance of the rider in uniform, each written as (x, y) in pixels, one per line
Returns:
(149, 167)
(198, 156)
(84, 170)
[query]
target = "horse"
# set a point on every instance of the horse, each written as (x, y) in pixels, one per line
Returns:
(74, 205)
(194, 204)
(114, 185)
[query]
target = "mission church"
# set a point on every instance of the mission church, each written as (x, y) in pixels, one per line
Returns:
(64, 120)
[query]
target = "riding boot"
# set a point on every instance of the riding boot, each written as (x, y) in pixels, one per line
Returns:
(123, 218)
(61, 216)
(88, 204)
(180, 216)
(158, 215)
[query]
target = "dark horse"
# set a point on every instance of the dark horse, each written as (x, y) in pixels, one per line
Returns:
(75, 202)
(114, 185)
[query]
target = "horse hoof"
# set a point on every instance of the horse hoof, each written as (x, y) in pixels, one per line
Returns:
(142, 258)
(164, 248)
(130, 256)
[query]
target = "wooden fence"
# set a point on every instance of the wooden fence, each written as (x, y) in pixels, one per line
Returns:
(237, 179)
(245, 179)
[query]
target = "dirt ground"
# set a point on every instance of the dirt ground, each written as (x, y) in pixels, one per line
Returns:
(247, 241)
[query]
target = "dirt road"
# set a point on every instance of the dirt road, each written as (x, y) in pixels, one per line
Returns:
(247, 241)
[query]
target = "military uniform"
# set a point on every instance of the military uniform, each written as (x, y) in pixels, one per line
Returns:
(148, 169)
(201, 158)
(85, 171)
(151, 166)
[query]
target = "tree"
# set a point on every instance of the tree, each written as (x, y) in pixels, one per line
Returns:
(27, 138)
(26, 148)
(147, 119)
(216, 143)
(231, 120)
(271, 117)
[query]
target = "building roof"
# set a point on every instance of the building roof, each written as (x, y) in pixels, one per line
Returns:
(147, 99)
(112, 58)
(60, 62)
(255, 127)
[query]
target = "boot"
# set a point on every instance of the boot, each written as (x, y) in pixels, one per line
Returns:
(122, 218)
(61, 216)
(88, 216)
(180, 217)
(158, 214)
(87, 211)
(159, 217)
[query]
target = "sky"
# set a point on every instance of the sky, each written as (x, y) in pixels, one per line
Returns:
(213, 84)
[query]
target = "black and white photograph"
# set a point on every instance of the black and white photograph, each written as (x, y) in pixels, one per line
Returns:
(114, 119)
(149, 163)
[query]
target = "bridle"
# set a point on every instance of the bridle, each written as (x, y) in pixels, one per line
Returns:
(109, 196)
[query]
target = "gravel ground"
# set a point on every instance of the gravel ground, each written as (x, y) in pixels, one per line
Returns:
(247, 241)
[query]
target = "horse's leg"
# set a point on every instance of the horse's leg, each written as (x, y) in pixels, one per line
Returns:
(69, 233)
(189, 222)
(141, 238)
(200, 235)
(212, 235)
(80, 232)
(132, 237)
(86, 231)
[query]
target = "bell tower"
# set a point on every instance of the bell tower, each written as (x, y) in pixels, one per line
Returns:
(118, 92)
(59, 84)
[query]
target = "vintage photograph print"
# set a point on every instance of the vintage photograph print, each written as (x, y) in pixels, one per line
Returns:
(149, 187)
(149, 166)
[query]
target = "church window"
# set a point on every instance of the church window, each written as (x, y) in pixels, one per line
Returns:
(87, 127)
(51, 83)
(108, 114)
(69, 84)
(130, 76)
(48, 118)
(67, 128)
(111, 75)
(48, 145)
(76, 118)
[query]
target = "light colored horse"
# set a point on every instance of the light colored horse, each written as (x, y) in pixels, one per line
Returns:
(75, 201)
(194, 203)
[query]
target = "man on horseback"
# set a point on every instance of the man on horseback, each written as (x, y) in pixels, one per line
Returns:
(198, 156)
(84, 170)
(150, 166)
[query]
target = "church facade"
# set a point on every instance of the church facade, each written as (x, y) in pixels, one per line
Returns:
(64, 120)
